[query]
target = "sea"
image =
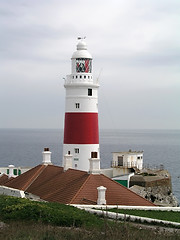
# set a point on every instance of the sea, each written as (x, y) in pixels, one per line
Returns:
(23, 147)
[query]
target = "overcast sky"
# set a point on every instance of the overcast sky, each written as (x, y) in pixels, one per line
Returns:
(136, 55)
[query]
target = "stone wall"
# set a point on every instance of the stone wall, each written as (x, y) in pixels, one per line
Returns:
(155, 186)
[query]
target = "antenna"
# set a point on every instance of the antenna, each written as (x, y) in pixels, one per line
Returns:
(99, 75)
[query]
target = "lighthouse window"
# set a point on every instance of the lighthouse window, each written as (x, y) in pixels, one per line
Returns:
(83, 65)
(77, 105)
(89, 91)
(76, 150)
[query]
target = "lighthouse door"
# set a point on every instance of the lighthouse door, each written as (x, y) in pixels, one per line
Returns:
(120, 161)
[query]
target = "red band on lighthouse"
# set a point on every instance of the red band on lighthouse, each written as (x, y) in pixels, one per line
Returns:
(81, 128)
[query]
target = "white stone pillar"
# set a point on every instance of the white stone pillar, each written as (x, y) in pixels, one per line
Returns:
(46, 156)
(101, 195)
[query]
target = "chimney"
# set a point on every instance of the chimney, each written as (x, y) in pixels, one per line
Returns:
(101, 195)
(94, 163)
(46, 156)
(67, 161)
(11, 168)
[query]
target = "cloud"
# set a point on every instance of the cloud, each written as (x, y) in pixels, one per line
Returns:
(135, 42)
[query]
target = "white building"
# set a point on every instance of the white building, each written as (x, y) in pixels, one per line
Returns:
(13, 171)
(130, 159)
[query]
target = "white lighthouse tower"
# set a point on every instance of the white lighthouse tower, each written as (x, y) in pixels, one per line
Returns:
(81, 133)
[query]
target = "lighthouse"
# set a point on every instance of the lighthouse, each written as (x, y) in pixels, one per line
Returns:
(81, 133)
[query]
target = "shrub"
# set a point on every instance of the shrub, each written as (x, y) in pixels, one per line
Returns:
(52, 213)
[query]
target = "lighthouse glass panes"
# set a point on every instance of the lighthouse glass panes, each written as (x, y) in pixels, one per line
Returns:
(83, 65)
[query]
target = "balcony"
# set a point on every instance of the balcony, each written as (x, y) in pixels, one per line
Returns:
(124, 165)
(78, 79)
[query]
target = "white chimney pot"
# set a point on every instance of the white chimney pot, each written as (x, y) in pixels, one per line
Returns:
(11, 168)
(94, 164)
(67, 161)
(101, 195)
(46, 156)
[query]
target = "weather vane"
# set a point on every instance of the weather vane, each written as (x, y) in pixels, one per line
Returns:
(79, 38)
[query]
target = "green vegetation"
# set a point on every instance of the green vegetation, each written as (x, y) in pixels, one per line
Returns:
(26, 220)
(51, 213)
(161, 215)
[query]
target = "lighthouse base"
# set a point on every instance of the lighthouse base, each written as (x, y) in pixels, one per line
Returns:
(81, 153)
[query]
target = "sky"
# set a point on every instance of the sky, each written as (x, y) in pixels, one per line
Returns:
(135, 46)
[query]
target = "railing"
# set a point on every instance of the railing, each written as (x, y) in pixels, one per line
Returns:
(125, 165)
(154, 167)
(70, 80)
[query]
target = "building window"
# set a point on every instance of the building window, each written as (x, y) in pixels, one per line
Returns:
(77, 105)
(120, 161)
(76, 76)
(89, 91)
(76, 150)
(138, 158)
(80, 76)
(15, 172)
(84, 76)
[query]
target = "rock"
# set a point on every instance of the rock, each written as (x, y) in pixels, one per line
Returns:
(155, 186)
(2, 225)
(161, 196)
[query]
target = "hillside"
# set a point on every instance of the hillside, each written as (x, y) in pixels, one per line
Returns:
(23, 219)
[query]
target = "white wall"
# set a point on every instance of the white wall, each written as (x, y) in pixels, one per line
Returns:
(130, 159)
(11, 192)
(83, 156)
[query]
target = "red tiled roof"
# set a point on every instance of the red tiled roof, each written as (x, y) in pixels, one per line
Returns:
(116, 194)
(4, 179)
(67, 185)
(52, 184)
(23, 181)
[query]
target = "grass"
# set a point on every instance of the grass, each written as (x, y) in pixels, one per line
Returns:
(50, 213)
(30, 231)
(161, 215)
(26, 220)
